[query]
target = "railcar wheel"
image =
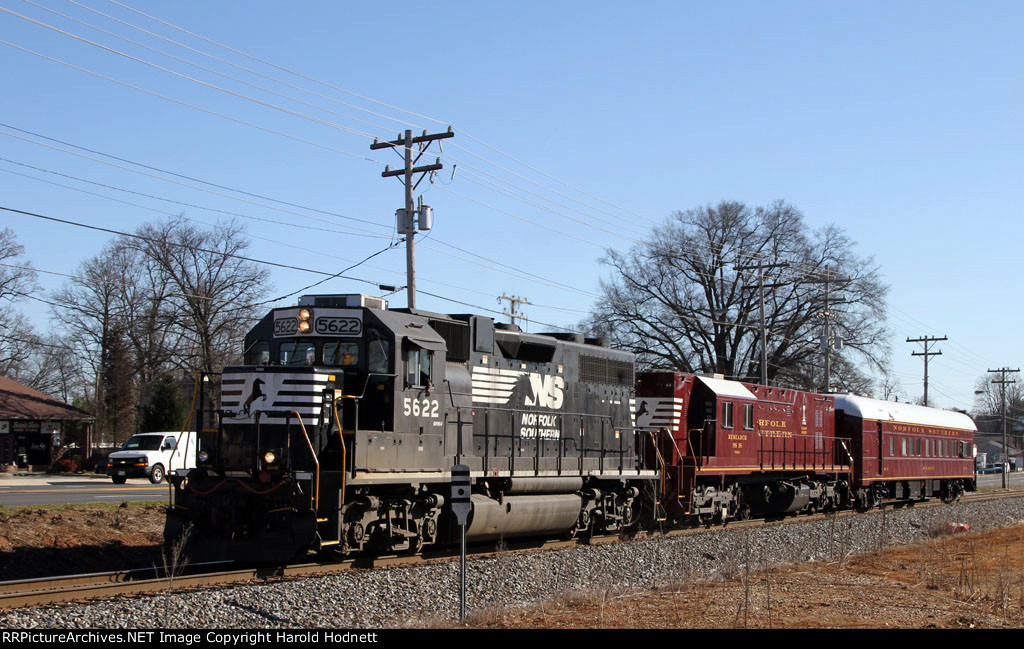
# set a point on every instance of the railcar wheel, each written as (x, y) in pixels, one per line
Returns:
(743, 512)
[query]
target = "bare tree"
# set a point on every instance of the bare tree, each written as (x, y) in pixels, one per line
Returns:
(16, 275)
(170, 299)
(681, 301)
(18, 341)
(91, 310)
(214, 286)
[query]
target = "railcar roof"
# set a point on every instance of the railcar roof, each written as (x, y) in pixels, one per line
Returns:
(866, 408)
(724, 388)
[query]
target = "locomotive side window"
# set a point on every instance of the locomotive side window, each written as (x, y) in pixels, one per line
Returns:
(341, 353)
(748, 416)
(297, 353)
(418, 364)
(727, 414)
(904, 440)
(892, 448)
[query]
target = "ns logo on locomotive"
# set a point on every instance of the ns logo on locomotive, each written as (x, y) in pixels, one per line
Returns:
(340, 431)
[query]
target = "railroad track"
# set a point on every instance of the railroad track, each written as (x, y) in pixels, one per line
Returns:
(68, 588)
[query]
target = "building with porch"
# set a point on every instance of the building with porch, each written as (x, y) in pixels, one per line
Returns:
(32, 425)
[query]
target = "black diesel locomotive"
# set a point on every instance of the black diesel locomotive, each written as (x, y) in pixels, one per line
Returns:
(341, 429)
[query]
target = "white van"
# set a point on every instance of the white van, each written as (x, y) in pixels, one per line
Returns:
(152, 455)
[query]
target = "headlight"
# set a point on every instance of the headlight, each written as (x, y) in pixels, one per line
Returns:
(203, 456)
(269, 457)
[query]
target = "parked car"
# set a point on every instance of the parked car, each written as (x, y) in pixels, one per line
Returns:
(152, 455)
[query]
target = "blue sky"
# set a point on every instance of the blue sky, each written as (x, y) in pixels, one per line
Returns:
(898, 121)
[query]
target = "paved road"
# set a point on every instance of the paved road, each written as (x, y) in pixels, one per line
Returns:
(24, 490)
(996, 479)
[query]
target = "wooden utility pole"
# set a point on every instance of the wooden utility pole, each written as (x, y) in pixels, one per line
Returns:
(406, 216)
(926, 354)
(514, 301)
(1002, 382)
(760, 267)
(827, 316)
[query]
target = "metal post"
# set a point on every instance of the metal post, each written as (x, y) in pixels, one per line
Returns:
(462, 574)
(461, 505)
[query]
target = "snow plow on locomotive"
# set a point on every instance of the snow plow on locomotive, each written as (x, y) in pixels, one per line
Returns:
(341, 428)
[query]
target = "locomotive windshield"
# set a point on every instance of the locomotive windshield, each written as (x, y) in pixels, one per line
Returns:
(341, 353)
(297, 353)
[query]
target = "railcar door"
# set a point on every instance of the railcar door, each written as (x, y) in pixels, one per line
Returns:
(881, 446)
(376, 407)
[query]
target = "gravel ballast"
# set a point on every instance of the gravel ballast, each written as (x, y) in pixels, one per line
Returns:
(428, 594)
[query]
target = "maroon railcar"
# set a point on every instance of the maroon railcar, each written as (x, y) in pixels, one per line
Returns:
(728, 449)
(906, 452)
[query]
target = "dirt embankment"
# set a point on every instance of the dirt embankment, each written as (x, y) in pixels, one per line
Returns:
(963, 580)
(70, 539)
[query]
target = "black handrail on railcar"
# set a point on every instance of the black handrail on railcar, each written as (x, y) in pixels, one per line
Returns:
(799, 457)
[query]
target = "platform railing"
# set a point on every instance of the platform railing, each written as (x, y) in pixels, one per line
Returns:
(800, 453)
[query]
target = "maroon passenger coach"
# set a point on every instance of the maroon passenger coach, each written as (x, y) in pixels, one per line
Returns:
(729, 449)
(906, 452)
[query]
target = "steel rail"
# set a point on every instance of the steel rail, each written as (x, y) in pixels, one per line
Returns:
(69, 588)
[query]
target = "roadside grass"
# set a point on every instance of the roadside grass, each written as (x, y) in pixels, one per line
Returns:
(9, 510)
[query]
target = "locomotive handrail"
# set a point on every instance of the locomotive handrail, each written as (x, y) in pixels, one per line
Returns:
(344, 458)
(562, 438)
(188, 419)
(316, 492)
(366, 383)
